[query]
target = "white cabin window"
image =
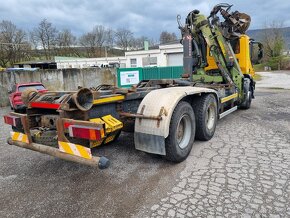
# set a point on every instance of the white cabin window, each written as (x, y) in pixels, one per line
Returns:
(133, 62)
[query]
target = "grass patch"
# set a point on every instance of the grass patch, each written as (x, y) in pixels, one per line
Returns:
(259, 67)
(257, 77)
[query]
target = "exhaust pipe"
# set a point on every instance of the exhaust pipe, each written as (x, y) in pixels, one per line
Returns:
(83, 99)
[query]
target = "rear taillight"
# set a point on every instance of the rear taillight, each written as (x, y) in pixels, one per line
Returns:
(84, 132)
(44, 105)
(12, 120)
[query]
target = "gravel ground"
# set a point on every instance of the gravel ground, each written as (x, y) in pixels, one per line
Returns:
(242, 172)
(277, 79)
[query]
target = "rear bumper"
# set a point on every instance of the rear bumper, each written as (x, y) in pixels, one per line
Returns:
(76, 153)
(100, 162)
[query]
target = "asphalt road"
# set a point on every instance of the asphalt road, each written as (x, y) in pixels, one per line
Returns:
(242, 172)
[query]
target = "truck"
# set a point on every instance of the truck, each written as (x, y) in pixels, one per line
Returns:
(166, 115)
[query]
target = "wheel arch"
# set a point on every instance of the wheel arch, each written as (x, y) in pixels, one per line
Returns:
(150, 134)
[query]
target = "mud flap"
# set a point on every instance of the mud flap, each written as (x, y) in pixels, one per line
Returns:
(150, 133)
(150, 143)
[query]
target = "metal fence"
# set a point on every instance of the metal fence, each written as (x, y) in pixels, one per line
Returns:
(131, 76)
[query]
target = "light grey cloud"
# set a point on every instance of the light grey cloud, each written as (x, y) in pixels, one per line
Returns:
(145, 17)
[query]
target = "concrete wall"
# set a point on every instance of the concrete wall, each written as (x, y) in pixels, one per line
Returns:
(56, 80)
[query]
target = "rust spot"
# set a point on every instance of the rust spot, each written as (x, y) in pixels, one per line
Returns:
(142, 111)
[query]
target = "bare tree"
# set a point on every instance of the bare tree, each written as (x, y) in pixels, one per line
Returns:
(124, 38)
(13, 44)
(93, 41)
(110, 38)
(45, 36)
(166, 37)
(138, 43)
(100, 32)
(66, 42)
(88, 41)
(273, 39)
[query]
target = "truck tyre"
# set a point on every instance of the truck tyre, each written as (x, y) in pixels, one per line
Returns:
(205, 109)
(179, 142)
(246, 104)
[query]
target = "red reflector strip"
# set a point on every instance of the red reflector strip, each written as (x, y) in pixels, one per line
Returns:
(84, 132)
(12, 120)
(44, 105)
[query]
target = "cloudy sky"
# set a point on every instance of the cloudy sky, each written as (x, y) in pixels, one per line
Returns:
(143, 17)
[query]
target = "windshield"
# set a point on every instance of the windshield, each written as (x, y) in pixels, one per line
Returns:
(37, 87)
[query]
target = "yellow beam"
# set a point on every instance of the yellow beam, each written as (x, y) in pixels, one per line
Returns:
(109, 99)
(228, 98)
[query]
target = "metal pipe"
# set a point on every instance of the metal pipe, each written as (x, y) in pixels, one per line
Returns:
(125, 114)
(100, 162)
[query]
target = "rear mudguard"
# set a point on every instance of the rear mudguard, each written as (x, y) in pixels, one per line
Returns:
(150, 134)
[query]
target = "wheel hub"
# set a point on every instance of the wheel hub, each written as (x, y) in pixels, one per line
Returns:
(210, 117)
(183, 132)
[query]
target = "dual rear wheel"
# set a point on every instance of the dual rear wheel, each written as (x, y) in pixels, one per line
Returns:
(189, 122)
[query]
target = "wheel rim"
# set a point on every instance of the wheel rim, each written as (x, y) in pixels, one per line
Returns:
(210, 116)
(183, 132)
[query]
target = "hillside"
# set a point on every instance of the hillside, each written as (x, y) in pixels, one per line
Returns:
(258, 35)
